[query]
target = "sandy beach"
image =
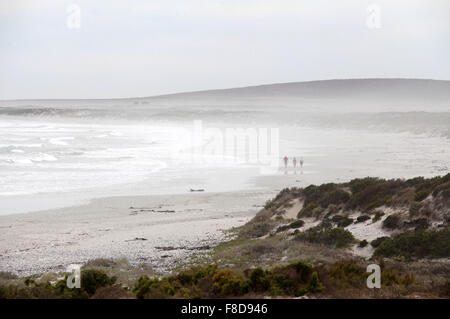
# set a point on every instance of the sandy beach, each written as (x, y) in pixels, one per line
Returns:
(81, 180)
(224, 150)
(157, 230)
(159, 222)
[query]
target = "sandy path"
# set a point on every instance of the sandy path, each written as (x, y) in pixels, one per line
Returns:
(292, 212)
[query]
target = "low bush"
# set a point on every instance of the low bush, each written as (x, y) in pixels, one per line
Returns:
(392, 222)
(351, 276)
(443, 190)
(92, 279)
(307, 210)
(334, 197)
(421, 195)
(414, 209)
(369, 193)
(6, 275)
(259, 280)
(342, 221)
(297, 224)
(332, 237)
(377, 242)
(363, 243)
(419, 244)
(228, 283)
(315, 285)
(419, 223)
(259, 226)
(362, 218)
(377, 216)
(294, 279)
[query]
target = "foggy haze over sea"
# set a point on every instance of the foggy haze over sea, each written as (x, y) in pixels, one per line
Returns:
(74, 150)
(257, 147)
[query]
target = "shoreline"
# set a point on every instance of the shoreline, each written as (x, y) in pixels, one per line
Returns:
(315, 247)
(157, 230)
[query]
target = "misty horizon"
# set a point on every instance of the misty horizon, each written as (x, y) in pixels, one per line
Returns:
(208, 90)
(105, 49)
(264, 151)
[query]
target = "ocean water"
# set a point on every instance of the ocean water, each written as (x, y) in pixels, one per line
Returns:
(40, 157)
(50, 162)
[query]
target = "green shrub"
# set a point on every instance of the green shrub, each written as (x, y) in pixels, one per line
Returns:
(268, 204)
(369, 193)
(92, 279)
(194, 274)
(7, 275)
(377, 216)
(363, 243)
(315, 285)
(297, 224)
(307, 210)
(443, 190)
(227, 283)
(362, 218)
(421, 195)
(414, 208)
(342, 221)
(344, 274)
(333, 237)
(377, 242)
(191, 283)
(259, 280)
(334, 197)
(144, 286)
(420, 223)
(293, 279)
(44, 290)
(419, 244)
(392, 222)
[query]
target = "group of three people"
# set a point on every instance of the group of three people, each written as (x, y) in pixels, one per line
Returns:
(294, 161)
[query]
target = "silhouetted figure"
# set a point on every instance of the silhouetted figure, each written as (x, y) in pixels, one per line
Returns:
(285, 159)
(301, 164)
(294, 161)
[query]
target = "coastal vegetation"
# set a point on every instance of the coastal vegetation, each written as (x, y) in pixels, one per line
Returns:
(306, 242)
(211, 281)
(417, 244)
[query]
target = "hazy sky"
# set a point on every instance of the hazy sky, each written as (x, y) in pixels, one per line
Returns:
(139, 48)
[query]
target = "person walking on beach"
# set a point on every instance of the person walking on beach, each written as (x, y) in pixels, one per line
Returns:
(301, 162)
(294, 161)
(285, 161)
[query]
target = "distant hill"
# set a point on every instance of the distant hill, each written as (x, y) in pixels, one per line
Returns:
(350, 95)
(393, 88)
(360, 95)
